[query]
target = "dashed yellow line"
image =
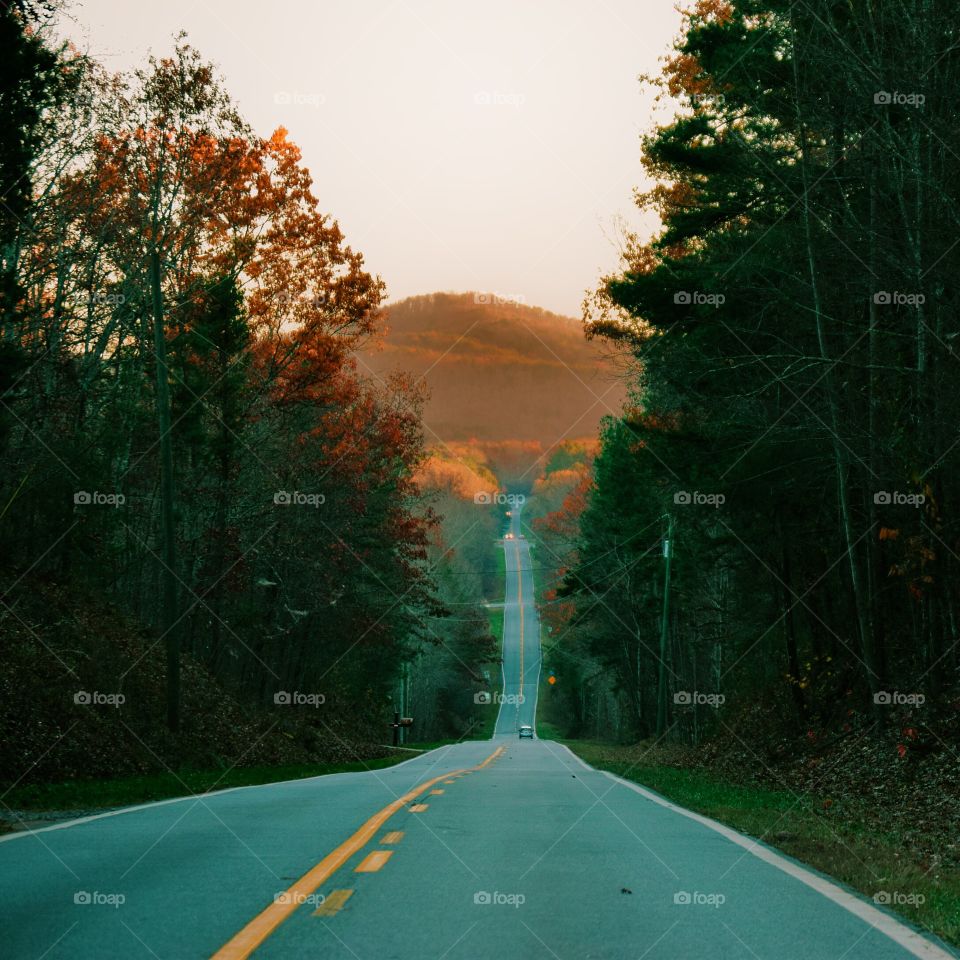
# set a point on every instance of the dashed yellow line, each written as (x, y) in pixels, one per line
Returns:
(436, 793)
(240, 946)
(372, 862)
(333, 904)
(261, 926)
(394, 836)
(419, 807)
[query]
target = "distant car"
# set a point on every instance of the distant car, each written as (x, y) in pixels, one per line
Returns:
(509, 536)
(526, 731)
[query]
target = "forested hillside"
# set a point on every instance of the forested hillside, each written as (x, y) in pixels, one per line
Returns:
(792, 433)
(499, 370)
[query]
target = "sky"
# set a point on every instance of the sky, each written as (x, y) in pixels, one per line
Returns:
(461, 146)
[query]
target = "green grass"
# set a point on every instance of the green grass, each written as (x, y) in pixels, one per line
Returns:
(488, 716)
(495, 616)
(547, 731)
(90, 794)
(484, 731)
(500, 592)
(865, 859)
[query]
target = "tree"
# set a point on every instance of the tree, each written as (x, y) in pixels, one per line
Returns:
(794, 194)
(163, 233)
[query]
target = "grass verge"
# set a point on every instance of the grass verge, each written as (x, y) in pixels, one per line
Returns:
(95, 794)
(484, 730)
(870, 862)
(501, 560)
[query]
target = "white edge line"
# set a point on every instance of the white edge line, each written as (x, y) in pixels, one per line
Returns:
(503, 643)
(580, 760)
(536, 617)
(19, 834)
(909, 939)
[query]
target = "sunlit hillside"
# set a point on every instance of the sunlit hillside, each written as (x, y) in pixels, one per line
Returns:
(499, 370)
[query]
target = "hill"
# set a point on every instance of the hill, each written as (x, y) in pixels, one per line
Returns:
(498, 371)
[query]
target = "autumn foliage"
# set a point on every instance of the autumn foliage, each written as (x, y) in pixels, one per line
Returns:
(300, 532)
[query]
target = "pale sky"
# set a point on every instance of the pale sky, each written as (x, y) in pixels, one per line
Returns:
(462, 146)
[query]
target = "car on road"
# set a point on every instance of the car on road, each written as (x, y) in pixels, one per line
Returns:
(526, 731)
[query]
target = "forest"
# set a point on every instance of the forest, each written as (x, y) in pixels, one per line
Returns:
(218, 504)
(209, 518)
(791, 437)
(650, 610)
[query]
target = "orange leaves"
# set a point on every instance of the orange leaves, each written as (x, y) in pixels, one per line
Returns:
(683, 72)
(718, 11)
(302, 274)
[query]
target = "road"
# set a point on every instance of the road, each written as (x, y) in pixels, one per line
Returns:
(504, 848)
(521, 636)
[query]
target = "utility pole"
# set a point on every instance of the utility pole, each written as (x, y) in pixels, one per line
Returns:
(664, 619)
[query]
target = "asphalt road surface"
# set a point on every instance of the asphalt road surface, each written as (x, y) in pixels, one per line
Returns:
(506, 848)
(521, 637)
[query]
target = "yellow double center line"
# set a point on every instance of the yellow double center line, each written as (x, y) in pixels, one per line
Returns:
(258, 929)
